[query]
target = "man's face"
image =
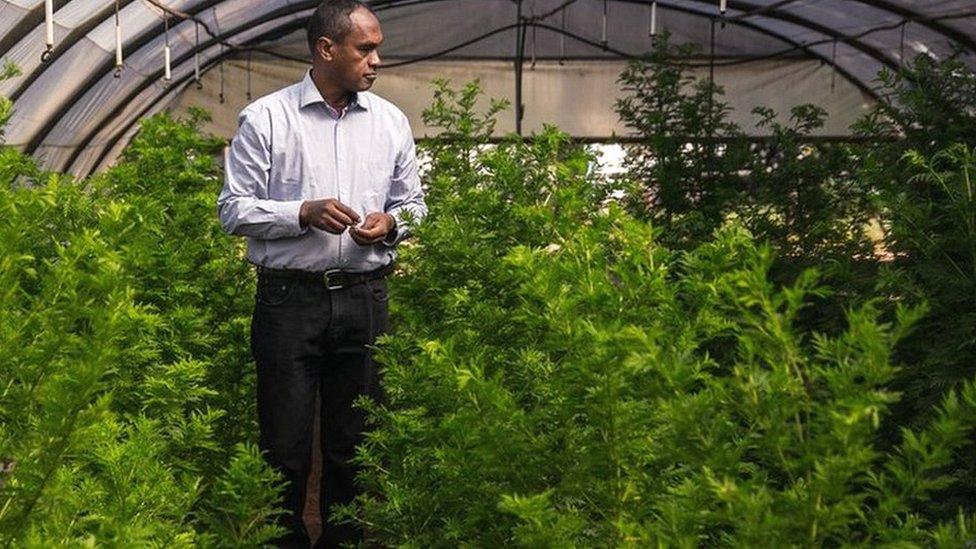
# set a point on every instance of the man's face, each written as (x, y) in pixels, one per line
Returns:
(356, 58)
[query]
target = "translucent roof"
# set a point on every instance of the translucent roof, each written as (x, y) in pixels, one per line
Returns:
(72, 108)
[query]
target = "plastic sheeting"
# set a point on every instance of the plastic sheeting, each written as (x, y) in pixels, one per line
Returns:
(577, 96)
(74, 114)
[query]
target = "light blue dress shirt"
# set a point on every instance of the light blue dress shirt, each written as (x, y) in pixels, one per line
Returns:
(292, 146)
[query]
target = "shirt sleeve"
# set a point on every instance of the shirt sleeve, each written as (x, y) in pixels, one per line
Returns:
(247, 166)
(406, 194)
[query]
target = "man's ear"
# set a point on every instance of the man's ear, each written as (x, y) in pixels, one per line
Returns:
(325, 48)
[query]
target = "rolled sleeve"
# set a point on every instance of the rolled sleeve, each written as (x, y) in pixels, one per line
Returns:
(241, 206)
(406, 194)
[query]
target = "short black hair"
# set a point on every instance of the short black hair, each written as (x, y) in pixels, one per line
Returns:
(331, 20)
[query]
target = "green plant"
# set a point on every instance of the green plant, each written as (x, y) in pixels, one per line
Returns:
(684, 169)
(126, 383)
(692, 170)
(918, 161)
(8, 71)
(558, 377)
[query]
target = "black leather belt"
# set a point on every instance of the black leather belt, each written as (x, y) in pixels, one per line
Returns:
(333, 279)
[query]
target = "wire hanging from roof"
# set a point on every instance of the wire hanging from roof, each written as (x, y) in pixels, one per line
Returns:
(118, 42)
(48, 30)
(653, 30)
(833, 65)
(562, 38)
(603, 35)
(247, 92)
(901, 51)
(167, 68)
(196, 55)
(711, 51)
(711, 67)
(532, 15)
(222, 73)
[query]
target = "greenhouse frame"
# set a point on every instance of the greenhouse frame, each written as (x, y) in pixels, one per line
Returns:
(76, 107)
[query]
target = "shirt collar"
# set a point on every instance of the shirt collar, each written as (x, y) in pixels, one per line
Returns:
(310, 94)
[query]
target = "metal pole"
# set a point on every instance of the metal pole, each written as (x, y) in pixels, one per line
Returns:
(519, 59)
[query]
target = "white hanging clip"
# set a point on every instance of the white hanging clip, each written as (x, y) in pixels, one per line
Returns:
(603, 35)
(167, 69)
(48, 30)
(653, 32)
(118, 42)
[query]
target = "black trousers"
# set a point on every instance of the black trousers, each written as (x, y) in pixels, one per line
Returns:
(309, 340)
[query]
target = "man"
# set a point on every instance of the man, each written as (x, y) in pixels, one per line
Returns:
(318, 177)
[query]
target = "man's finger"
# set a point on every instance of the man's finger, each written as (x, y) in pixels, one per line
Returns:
(367, 236)
(332, 225)
(339, 217)
(369, 221)
(360, 239)
(349, 212)
(371, 232)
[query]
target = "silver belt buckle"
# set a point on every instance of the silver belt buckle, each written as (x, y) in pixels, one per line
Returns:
(329, 285)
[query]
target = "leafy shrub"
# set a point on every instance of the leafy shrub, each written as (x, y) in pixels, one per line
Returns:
(126, 381)
(684, 170)
(918, 159)
(692, 170)
(811, 201)
(559, 378)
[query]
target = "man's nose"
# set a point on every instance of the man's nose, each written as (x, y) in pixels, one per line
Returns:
(374, 59)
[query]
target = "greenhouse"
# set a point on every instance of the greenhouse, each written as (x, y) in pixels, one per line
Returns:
(570, 273)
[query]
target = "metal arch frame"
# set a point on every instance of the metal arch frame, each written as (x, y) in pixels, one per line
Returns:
(147, 36)
(288, 27)
(746, 24)
(920, 19)
(177, 63)
(75, 36)
(292, 25)
(795, 20)
(106, 67)
(34, 18)
(138, 43)
(883, 5)
(80, 32)
(36, 15)
(178, 86)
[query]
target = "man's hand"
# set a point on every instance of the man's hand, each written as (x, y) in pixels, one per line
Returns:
(327, 214)
(374, 229)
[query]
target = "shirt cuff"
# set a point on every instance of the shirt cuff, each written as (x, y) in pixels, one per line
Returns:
(288, 216)
(393, 237)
